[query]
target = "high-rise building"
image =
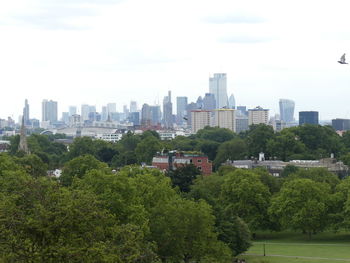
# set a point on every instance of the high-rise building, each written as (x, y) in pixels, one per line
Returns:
(308, 117)
(241, 123)
(104, 113)
(232, 102)
(72, 110)
(199, 102)
(134, 117)
(146, 115)
(133, 106)
(65, 117)
(242, 110)
(190, 107)
(341, 124)
(26, 118)
(85, 110)
(258, 115)
(225, 118)
(209, 102)
(168, 111)
(217, 86)
(200, 119)
(156, 115)
(112, 107)
(49, 111)
(181, 105)
(287, 110)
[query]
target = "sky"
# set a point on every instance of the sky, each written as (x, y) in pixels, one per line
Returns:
(101, 51)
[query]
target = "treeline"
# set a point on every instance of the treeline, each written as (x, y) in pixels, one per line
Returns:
(307, 142)
(134, 215)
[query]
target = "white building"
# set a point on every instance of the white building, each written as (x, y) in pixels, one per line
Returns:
(258, 115)
(225, 118)
(217, 86)
(200, 119)
(109, 137)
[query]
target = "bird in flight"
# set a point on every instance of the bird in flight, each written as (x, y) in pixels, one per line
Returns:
(342, 59)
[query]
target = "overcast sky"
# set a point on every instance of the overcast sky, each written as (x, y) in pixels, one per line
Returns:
(100, 51)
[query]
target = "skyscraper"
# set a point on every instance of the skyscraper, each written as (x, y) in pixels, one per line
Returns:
(26, 118)
(225, 118)
(181, 105)
(217, 86)
(168, 111)
(133, 106)
(308, 117)
(85, 109)
(232, 102)
(146, 115)
(49, 111)
(287, 110)
(72, 110)
(200, 119)
(209, 102)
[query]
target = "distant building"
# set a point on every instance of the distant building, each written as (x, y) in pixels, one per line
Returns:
(72, 110)
(156, 115)
(258, 115)
(209, 102)
(199, 102)
(190, 107)
(134, 117)
(171, 162)
(85, 109)
(287, 110)
(133, 106)
(181, 113)
(65, 117)
(200, 119)
(242, 110)
(26, 113)
(241, 123)
(341, 124)
(232, 102)
(49, 111)
(225, 118)
(217, 86)
(308, 117)
(168, 111)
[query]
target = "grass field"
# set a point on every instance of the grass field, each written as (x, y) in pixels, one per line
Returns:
(298, 248)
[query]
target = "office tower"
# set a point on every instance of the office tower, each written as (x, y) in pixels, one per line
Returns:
(232, 102)
(155, 114)
(65, 117)
(217, 86)
(209, 102)
(199, 119)
(49, 111)
(341, 124)
(125, 112)
(190, 107)
(287, 110)
(199, 102)
(241, 123)
(134, 118)
(181, 112)
(85, 109)
(242, 110)
(133, 106)
(26, 118)
(225, 118)
(104, 113)
(258, 115)
(168, 111)
(308, 117)
(72, 110)
(92, 108)
(146, 115)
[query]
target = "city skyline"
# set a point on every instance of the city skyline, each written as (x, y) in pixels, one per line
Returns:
(94, 52)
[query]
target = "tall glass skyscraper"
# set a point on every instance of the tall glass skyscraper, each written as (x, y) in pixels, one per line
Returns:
(287, 110)
(49, 111)
(181, 105)
(217, 86)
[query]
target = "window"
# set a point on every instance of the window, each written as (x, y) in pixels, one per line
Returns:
(199, 168)
(199, 161)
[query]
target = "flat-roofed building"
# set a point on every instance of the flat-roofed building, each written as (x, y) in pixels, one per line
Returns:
(200, 119)
(225, 118)
(258, 115)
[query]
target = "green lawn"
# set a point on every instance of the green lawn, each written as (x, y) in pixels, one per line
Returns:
(298, 248)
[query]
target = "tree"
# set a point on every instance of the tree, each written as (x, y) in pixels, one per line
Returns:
(208, 147)
(183, 176)
(301, 205)
(257, 139)
(147, 148)
(215, 134)
(33, 165)
(235, 149)
(79, 166)
(247, 196)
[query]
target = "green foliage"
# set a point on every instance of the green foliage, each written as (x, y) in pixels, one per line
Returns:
(79, 166)
(183, 177)
(147, 148)
(33, 165)
(244, 193)
(302, 205)
(215, 134)
(235, 149)
(258, 138)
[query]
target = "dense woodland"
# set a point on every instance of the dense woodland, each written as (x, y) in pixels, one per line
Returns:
(106, 208)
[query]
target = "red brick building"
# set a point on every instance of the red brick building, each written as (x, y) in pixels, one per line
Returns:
(163, 161)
